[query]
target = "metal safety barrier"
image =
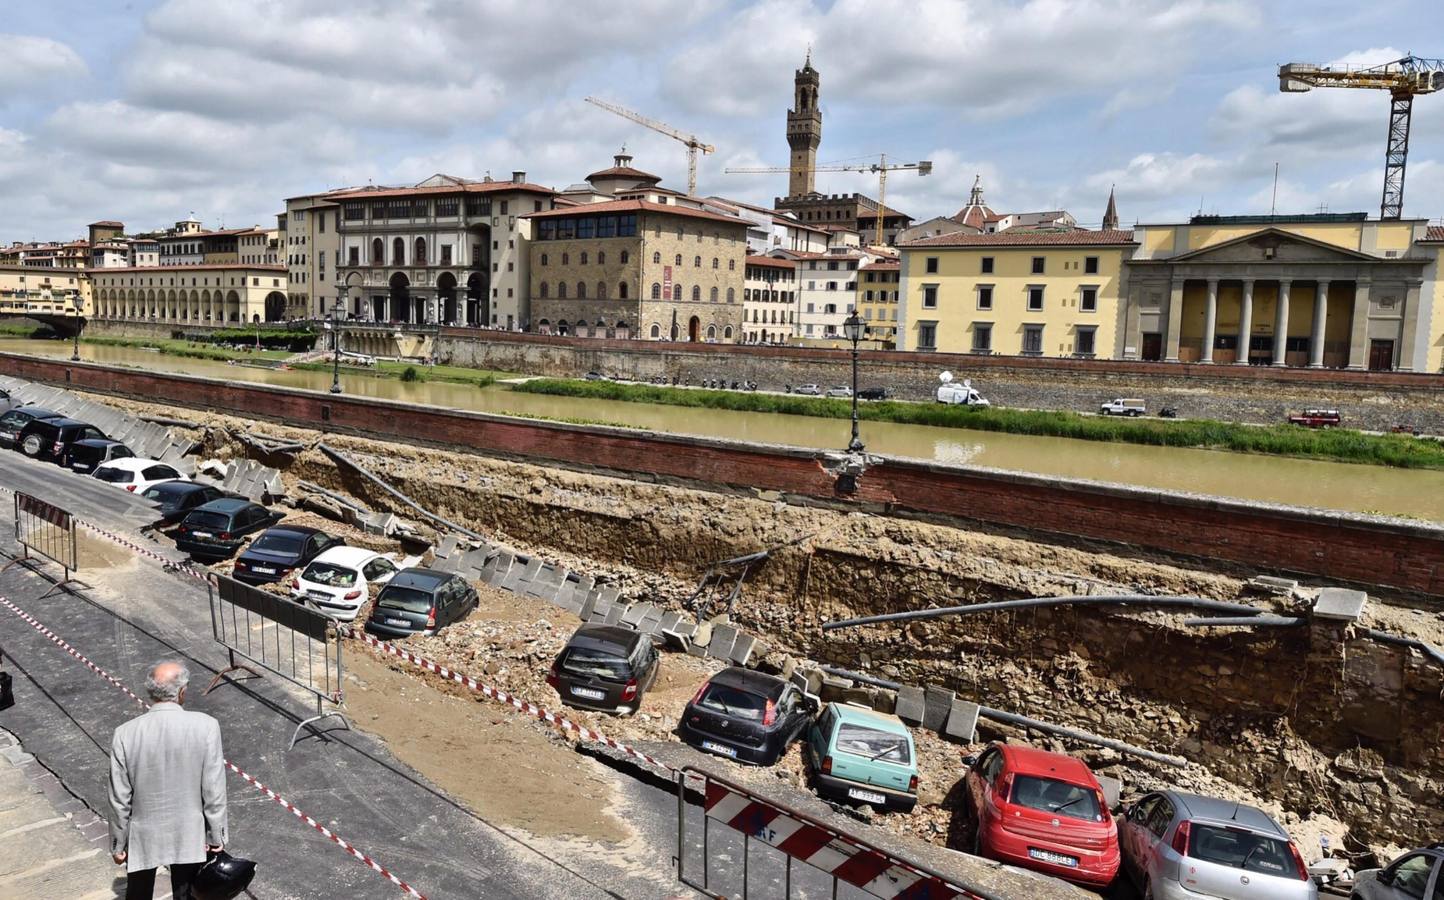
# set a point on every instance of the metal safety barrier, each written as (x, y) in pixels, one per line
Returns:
(48, 530)
(843, 859)
(295, 643)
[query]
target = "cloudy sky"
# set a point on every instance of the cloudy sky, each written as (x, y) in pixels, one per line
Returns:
(148, 110)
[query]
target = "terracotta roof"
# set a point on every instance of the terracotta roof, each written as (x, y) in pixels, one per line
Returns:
(1027, 239)
(471, 187)
(1434, 233)
(624, 172)
(226, 232)
(882, 264)
(772, 261)
(109, 223)
(637, 206)
(191, 268)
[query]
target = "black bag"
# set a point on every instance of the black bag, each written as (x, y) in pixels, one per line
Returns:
(222, 877)
(7, 689)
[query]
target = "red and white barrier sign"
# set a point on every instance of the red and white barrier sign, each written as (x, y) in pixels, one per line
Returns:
(876, 873)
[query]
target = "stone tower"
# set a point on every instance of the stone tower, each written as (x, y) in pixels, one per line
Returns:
(804, 130)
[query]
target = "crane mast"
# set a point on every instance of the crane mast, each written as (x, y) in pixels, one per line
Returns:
(1403, 79)
(693, 143)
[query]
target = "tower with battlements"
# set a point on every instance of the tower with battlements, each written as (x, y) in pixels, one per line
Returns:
(804, 130)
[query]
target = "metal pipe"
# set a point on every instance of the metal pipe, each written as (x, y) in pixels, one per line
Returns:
(1399, 640)
(341, 458)
(858, 676)
(1099, 600)
(1244, 621)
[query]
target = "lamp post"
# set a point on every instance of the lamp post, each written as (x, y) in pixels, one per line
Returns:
(75, 347)
(854, 330)
(334, 326)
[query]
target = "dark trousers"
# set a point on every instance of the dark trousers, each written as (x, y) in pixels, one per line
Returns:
(140, 885)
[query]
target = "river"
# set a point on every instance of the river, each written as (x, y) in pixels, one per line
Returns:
(1330, 485)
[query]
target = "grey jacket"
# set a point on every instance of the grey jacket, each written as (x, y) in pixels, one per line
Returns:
(167, 788)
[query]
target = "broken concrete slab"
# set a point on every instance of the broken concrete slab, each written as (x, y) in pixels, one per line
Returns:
(938, 703)
(1268, 584)
(446, 546)
(615, 613)
(1112, 789)
(911, 705)
(496, 568)
(742, 649)
(589, 605)
(962, 724)
(1340, 604)
(702, 636)
(635, 613)
(723, 638)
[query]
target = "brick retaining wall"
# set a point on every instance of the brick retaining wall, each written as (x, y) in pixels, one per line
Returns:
(1319, 544)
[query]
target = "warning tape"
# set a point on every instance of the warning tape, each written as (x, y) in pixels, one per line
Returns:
(530, 709)
(249, 779)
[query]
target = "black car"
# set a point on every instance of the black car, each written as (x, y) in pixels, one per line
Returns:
(50, 439)
(275, 553)
(219, 528)
(178, 498)
(15, 420)
(86, 455)
(874, 393)
(747, 716)
(605, 667)
(421, 601)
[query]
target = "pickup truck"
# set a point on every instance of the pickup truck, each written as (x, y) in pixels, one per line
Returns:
(1317, 418)
(1122, 407)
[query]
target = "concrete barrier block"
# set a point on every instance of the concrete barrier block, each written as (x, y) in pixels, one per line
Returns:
(1340, 604)
(702, 636)
(615, 613)
(938, 703)
(446, 546)
(723, 639)
(589, 605)
(743, 649)
(1112, 789)
(911, 705)
(962, 722)
(497, 568)
(635, 613)
(516, 576)
(546, 581)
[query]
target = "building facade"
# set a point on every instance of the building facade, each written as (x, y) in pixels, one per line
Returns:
(309, 236)
(637, 269)
(855, 212)
(769, 300)
(877, 300)
(1026, 294)
(25, 290)
(228, 294)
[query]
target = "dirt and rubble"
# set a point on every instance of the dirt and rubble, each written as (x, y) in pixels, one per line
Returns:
(1333, 743)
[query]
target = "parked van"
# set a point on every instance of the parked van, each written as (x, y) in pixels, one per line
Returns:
(1122, 408)
(960, 395)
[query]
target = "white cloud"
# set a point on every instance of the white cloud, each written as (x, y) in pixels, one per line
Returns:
(29, 62)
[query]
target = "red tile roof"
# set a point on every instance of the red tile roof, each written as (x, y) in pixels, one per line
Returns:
(470, 187)
(615, 206)
(1434, 233)
(882, 265)
(1027, 239)
(189, 268)
(772, 261)
(624, 172)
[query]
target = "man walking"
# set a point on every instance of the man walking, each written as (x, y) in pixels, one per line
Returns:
(167, 788)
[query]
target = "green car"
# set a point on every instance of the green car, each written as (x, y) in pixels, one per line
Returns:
(862, 756)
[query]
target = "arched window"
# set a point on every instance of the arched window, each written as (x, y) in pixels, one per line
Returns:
(714, 262)
(419, 258)
(727, 333)
(656, 257)
(678, 260)
(543, 290)
(696, 262)
(543, 259)
(713, 297)
(732, 265)
(711, 332)
(398, 252)
(562, 327)
(581, 290)
(656, 331)
(622, 289)
(601, 291)
(566, 258)
(626, 256)
(544, 327)
(561, 290)
(378, 252)
(584, 257)
(696, 294)
(676, 292)
(656, 291)
(731, 295)
(602, 261)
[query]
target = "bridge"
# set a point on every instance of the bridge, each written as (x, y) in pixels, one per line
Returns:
(64, 314)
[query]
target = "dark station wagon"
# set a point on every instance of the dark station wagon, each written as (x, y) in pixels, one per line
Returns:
(218, 529)
(275, 553)
(605, 667)
(15, 420)
(87, 455)
(177, 498)
(50, 439)
(421, 601)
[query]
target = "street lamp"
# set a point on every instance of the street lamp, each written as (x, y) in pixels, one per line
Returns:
(334, 326)
(854, 330)
(75, 347)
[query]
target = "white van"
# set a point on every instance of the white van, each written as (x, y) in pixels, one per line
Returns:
(960, 395)
(1122, 407)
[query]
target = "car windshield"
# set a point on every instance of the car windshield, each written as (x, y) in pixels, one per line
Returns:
(405, 598)
(1240, 848)
(199, 519)
(1053, 796)
(330, 575)
(873, 743)
(591, 661)
(278, 543)
(163, 494)
(733, 702)
(117, 475)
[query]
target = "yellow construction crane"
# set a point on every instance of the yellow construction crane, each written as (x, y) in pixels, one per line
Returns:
(881, 167)
(1402, 78)
(693, 142)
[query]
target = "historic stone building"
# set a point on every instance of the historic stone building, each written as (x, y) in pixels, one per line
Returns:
(769, 300)
(226, 294)
(637, 269)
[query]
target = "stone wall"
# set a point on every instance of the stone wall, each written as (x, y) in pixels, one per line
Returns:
(1370, 400)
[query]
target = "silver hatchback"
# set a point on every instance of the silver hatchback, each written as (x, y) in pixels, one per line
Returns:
(1179, 846)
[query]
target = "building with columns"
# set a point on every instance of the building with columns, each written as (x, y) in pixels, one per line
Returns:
(1322, 291)
(224, 294)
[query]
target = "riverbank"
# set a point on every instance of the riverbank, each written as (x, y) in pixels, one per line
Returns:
(407, 371)
(187, 349)
(1336, 444)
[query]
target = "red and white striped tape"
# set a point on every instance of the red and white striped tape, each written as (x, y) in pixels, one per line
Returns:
(876, 873)
(249, 779)
(501, 696)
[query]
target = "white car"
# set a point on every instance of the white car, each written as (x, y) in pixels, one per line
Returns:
(137, 474)
(338, 581)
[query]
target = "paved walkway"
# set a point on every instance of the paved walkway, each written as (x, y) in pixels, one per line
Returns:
(51, 844)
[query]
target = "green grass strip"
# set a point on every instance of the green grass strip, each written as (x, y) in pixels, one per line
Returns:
(1338, 444)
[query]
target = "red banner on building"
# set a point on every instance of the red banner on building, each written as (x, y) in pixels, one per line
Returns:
(666, 282)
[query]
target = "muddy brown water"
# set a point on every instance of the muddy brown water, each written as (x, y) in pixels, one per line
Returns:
(1330, 485)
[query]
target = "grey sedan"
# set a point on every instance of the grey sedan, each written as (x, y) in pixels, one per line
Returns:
(1178, 846)
(1414, 876)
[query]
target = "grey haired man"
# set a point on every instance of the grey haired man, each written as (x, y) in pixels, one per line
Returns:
(167, 788)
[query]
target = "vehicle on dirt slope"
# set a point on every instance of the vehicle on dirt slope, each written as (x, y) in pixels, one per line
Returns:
(421, 601)
(744, 715)
(217, 530)
(175, 499)
(337, 582)
(1177, 846)
(607, 668)
(278, 550)
(859, 755)
(1042, 811)
(84, 456)
(15, 420)
(138, 474)
(50, 439)
(1417, 875)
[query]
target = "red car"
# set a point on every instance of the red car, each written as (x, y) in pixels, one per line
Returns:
(1317, 418)
(1042, 811)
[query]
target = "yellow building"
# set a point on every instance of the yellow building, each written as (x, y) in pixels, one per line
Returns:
(1041, 293)
(26, 290)
(877, 301)
(196, 295)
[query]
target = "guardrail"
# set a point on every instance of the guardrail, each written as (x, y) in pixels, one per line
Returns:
(48, 530)
(297, 644)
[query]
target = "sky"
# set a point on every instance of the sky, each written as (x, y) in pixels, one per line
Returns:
(148, 111)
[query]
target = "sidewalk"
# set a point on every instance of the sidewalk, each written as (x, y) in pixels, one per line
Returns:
(51, 844)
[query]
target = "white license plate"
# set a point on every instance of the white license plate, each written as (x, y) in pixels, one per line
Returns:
(318, 595)
(1048, 856)
(77, 466)
(264, 570)
(589, 693)
(397, 622)
(720, 748)
(201, 534)
(866, 796)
